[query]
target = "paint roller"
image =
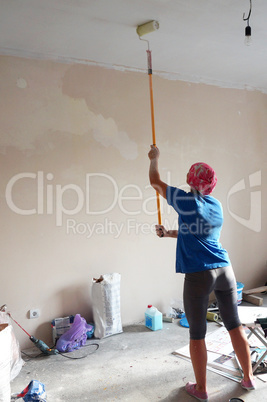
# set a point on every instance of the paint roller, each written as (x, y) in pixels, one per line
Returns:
(212, 316)
(143, 30)
(147, 28)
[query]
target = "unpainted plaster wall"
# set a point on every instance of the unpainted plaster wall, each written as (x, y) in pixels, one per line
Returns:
(75, 196)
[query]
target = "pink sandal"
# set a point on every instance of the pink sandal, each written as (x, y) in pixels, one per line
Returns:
(191, 390)
(248, 385)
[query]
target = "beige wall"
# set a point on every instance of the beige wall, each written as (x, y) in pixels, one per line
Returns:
(74, 141)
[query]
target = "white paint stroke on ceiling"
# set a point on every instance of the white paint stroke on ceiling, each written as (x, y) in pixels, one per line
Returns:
(198, 40)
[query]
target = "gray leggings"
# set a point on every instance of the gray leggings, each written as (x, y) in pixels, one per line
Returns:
(197, 288)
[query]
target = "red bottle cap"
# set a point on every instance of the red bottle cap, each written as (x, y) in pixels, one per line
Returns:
(149, 306)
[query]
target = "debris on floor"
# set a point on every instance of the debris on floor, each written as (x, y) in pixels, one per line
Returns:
(35, 391)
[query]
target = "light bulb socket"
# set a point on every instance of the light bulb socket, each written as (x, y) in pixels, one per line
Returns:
(248, 31)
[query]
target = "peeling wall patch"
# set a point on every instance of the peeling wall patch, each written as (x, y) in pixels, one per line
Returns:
(107, 133)
(22, 83)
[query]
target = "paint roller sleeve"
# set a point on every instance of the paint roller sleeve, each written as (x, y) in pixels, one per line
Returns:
(147, 28)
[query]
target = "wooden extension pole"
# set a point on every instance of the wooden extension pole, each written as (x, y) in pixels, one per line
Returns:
(149, 64)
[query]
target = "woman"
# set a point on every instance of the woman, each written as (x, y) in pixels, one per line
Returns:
(206, 265)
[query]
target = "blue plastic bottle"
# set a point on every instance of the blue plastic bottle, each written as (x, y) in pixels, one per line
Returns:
(153, 318)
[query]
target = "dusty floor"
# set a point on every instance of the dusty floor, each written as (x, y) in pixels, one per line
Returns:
(135, 366)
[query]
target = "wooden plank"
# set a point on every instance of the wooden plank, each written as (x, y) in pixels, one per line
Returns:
(253, 299)
(255, 290)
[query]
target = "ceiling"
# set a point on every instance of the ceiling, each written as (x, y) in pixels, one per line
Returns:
(198, 40)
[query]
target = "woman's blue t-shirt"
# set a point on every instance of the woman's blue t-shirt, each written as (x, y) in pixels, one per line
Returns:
(200, 222)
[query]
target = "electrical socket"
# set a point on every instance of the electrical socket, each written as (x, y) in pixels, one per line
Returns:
(35, 313)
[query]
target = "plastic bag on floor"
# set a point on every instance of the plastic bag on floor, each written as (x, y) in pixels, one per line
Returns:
(35, 391)
(75, 337)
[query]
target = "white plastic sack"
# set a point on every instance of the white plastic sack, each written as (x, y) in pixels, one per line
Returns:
(16, 361)
(106, 305)
(5, 358)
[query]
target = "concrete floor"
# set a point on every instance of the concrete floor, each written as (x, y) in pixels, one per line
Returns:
(135, 366)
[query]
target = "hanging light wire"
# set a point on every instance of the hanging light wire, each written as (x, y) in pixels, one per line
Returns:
(248, 28)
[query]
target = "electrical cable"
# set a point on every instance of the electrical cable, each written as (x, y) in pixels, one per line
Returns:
(19, 325)
(50, 351)
(82, 357)
(31, 357)
(64, 354)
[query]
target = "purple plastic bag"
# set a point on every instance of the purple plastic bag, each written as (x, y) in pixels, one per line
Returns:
(75, 337)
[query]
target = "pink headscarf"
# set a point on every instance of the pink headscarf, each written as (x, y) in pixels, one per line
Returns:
(202, 178)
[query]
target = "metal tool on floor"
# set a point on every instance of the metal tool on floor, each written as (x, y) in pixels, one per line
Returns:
(250, 318)
(37, 342)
